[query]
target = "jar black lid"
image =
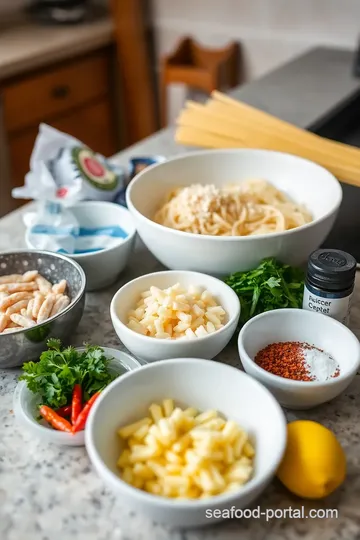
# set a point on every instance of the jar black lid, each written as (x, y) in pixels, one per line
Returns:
(331, 269)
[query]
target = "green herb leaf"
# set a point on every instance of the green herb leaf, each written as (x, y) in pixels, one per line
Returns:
(59, 369)
(272, 285)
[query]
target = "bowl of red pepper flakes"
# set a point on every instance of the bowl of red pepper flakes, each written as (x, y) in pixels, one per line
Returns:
(65, 425)
(274, 347)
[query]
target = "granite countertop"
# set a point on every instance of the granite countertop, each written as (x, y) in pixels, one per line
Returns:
(52, 493)
(25, 45)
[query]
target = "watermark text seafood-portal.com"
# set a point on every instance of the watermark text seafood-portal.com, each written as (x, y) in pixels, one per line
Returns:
(272, 513)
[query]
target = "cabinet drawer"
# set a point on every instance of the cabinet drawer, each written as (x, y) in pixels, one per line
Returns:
(31, 100)
(91, 124)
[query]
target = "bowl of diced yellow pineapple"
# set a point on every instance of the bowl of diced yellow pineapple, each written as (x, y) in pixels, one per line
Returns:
(184, 440)
(173, 314)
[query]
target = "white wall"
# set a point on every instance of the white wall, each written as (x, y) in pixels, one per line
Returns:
(271, 31)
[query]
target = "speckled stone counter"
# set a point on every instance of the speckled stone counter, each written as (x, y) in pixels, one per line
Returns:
(52, 493)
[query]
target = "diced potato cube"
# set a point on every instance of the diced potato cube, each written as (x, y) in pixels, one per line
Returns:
(168, 406)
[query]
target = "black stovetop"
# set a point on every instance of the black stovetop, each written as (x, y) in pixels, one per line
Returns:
(60, 11)
(344, 127)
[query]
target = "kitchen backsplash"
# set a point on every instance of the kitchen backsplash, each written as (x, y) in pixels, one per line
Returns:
(271, 31)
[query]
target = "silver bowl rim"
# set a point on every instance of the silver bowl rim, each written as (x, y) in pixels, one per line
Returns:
(72, 303)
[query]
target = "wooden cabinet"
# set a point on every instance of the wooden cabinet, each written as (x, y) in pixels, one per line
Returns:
(75, 96)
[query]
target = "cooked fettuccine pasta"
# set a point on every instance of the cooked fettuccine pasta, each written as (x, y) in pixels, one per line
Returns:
(249, 208)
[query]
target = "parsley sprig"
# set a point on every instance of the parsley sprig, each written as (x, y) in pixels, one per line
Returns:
(59, 369)
(272, 285)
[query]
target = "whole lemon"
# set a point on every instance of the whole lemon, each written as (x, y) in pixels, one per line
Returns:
(314, 464)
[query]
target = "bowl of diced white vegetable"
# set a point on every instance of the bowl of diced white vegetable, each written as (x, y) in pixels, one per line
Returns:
(185, 440)
(174, 314)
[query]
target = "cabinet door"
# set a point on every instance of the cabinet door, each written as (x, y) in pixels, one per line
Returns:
(54, 92)
(93, 125)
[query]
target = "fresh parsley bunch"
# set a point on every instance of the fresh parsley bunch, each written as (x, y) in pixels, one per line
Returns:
(59, 369)
(272, 285)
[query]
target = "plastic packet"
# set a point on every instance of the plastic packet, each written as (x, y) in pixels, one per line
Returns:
(136, 165)
(68, 171)
(64, 171)
(53, 227)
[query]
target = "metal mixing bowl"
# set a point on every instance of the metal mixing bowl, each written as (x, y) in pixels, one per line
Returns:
(24, 345)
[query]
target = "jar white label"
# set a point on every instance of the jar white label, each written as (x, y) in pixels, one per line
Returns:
(337, 308)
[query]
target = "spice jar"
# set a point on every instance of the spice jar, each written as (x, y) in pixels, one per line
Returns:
(329, 283)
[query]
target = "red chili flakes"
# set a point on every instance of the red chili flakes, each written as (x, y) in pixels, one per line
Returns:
(285, 359)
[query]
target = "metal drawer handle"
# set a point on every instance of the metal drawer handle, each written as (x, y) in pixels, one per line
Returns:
(60, 92)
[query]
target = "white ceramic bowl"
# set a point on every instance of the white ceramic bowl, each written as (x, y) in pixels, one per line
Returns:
(303, 326)
(304, 181)
(25, 403)
(151, 349)
(201, 384)
(103, 267)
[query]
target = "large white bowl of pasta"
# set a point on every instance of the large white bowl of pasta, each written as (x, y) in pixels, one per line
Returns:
(221, 211)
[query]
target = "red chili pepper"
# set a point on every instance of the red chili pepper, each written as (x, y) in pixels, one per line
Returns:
(64, 411)
(81, 419)
(54, 419)
(76, 403)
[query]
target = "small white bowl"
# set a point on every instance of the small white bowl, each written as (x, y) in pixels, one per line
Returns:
(303, 181)
(303, 326)
(26, 402)
(151, 349)
(202, 384)
(103, 267)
